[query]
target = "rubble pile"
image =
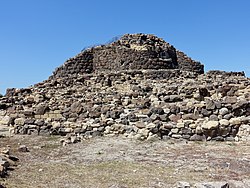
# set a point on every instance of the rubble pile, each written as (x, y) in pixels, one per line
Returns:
(138, 86)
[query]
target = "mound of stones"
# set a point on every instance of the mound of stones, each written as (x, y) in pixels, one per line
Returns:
(138, 86)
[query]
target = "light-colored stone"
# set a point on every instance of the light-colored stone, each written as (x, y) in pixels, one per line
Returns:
(210, 125)
(192, 126)
(175, 130)
(19, 121)
(180, 125)
(56, 124)
(150, 126)
(198, 130)
(153, 137)
(183, 184)
(5, 120)
(224, 122)
(176, 136)
(235, 121)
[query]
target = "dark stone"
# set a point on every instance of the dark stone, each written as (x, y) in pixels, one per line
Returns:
(114, 114)
(175, 98)
(76, 107)
(23, 148)
(186, 131)
(213, 117)
(175, 109)
(164, 117)
(197, 137)
(41, 109)
(186, 136)
(205, 112)
(29, 121)
(129, 53)
(3, 106)
(28, 113)
(157, 110)
(203, 93)
(218, 138)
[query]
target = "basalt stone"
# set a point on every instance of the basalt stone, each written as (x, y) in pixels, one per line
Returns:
(28, 113)
(203, 92)
(157, 110)
(114, 114)
(218, 138)
(29, 121)
(213, 117)
(41, 109)
(3, 106)
(132, 117)
(197, 137)
(224, 131)
(137, 85)
(205, 112)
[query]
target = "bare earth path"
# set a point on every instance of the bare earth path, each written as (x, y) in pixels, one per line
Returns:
(118, 162)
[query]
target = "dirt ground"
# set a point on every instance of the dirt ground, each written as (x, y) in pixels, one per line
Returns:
(116, 162)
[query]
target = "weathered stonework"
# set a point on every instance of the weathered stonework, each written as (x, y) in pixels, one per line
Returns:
(112, 90)
(130, 52)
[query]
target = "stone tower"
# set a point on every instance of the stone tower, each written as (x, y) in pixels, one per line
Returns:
(130, 52)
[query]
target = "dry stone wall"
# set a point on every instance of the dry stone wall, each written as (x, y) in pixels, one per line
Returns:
(136, 104)
(80, 64)
(113, 90)
(130, 52)
(187, 64)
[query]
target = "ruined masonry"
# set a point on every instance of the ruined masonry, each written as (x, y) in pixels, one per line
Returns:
(138, 86)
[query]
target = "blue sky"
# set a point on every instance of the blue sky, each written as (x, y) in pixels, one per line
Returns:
(36, 36)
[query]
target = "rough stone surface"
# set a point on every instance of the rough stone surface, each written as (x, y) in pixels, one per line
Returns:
(130, 52)
(138, 86)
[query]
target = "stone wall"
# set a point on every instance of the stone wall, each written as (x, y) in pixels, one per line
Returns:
(187, 64)
(139, 87)
(80, 64)
(141, 104)
(130, 52)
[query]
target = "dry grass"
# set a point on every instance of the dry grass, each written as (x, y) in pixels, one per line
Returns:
(117, 162)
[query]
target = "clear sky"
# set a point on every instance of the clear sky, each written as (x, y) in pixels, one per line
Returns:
(36, 36)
